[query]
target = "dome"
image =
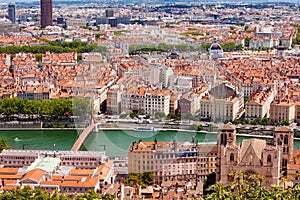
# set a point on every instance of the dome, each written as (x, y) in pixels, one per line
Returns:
(215, 46)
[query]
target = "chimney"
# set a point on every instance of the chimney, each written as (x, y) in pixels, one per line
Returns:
(174, 144)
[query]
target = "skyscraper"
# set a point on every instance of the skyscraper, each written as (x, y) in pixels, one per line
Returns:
(12, 12)
(46, 13)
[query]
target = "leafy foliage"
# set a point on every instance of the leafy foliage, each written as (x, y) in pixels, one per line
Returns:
(227, 46)
(3, 144)
(38, 193)
(161, 47)
(56, 107)
(55, 47)
(143, 180)
(245, 186)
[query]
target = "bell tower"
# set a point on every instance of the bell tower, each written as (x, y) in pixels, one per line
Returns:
(227, 135)
(284, 138)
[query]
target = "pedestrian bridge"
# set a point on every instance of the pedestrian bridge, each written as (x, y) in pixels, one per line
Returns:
(80, 140)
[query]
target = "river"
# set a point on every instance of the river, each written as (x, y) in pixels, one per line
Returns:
(114, 142)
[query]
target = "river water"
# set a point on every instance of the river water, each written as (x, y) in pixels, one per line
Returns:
(114, 142)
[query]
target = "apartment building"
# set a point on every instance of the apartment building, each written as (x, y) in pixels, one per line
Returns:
(132, 100)
(222, 103)
(167, 160)
(190, 101)
(79, 159)
(114, 100)
(146, 101)
(157, 101)
(259, 105)
(206, 162)
(297, 111)
(282, 110)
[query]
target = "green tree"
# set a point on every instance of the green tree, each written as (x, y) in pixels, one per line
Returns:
(200, 127)
(188, 116)
(170, 116)
(133, 115)
(159, 115)
(178, 117)
(148, 178)
(286, 122)
(3, 144)
(265, 121)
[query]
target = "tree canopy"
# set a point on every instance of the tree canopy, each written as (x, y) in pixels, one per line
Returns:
(56, 47)
(55, 107)
(243, 186)
(28, 193)
(143, 180)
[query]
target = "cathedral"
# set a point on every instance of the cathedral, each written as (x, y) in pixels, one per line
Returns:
(254, 156)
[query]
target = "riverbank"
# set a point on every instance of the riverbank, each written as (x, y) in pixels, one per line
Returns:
(38, 129)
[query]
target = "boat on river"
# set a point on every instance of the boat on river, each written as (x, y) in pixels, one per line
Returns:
(145, 129)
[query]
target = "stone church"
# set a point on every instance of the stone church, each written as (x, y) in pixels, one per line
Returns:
(269, 159)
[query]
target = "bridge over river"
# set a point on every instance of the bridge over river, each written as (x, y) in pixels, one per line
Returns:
(86, 132)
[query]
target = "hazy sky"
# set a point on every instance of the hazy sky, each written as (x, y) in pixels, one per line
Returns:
(241, 1)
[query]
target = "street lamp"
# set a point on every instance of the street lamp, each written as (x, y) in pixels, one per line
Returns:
(24, 146)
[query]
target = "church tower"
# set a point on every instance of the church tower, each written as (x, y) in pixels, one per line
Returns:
(226, 138)
(284, 138)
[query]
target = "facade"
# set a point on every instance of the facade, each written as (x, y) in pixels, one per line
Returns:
(280, 111)
(114, 100)
(297, 111)
(80, 159)
(112, 21)
(222, 103)
(207, 159)
(66, 172)
(215, 51)
(12, 12)
(157, 101)
(259, 105)
(46, 13)
(167, 160)
(133, 101)
(144, 101)
(254, 156)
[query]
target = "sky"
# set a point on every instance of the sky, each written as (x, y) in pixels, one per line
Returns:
(221, 1)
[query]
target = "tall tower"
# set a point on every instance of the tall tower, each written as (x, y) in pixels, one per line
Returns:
(46, 13)
(284, 138)
(12, 12)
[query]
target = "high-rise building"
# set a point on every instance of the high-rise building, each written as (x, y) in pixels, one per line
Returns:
(12, 12)
(46, 13)
(109, 13)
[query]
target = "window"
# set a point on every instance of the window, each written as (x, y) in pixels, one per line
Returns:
(231, 157)
(269, 159)
(286, 140)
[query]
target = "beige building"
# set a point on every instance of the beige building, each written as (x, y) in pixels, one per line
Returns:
(133, 101)
(280, 111)
(297, 111)
(259, 105)
(114, 100)
(222, 103)
(146, 101)
(167, 160)
(206, 163)
(157, 101)
(254, 155)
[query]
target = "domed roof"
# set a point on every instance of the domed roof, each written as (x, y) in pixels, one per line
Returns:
(215, 46)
